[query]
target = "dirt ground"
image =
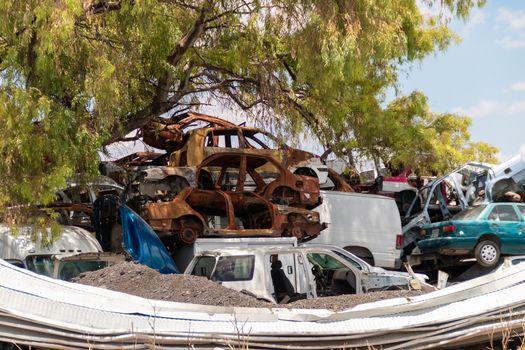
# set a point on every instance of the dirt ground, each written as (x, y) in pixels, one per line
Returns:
(142, 281)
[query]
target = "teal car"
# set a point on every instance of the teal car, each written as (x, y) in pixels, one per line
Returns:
(484, 232)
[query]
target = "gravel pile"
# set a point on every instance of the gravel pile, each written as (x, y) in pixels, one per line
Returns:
(140, 280)
(342, 302)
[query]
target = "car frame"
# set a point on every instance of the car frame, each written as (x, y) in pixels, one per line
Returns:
(468, 185)
(269, 209)
(191, 137)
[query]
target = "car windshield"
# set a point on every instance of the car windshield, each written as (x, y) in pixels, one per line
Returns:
(41, 264)
(67, 270)
(469, 213)
(350, 260)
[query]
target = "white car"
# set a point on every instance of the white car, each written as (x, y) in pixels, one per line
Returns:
(283, 274)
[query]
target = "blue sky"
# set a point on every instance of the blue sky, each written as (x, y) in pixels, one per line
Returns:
(483, 76)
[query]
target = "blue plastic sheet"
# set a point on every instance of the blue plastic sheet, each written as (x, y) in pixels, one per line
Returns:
(143, 244)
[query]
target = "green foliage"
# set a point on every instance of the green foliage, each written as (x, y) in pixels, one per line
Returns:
(77, 75)
(410, 135)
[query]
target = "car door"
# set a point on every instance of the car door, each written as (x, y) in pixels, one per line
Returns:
(505, 222)
(521, 210)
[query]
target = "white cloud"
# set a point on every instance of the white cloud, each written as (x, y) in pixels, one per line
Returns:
(489, 107)
(512, 19)
(512, 43)
(482, 109)
(513, 23)
(515, 107)
(518, 86)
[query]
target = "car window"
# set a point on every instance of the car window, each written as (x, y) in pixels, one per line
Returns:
(350, 260)
(259, 140)
(223, 139)
(229, 179)
(504, 212)
(234, 268)
(203, 266)
(470, 213)
(325, 261)
(330, 275)
(70, 269)
(41, 264)
(522, 210)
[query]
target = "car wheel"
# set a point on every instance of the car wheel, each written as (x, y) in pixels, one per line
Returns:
(487, 253)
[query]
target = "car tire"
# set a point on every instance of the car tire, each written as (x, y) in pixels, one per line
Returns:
(487, 253)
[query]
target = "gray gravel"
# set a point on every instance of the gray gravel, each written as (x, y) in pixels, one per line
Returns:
(140, 280)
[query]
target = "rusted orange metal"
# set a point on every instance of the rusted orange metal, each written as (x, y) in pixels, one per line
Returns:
(339, 183)
(237, 201)
(186, 217)
(167, 134)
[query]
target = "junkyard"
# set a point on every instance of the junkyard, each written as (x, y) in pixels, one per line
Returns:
(250, 228)
(205, 174)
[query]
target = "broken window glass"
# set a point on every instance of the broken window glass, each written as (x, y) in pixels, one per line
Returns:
(234, 268)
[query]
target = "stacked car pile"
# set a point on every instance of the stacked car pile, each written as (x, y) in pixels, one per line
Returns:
(219, 179)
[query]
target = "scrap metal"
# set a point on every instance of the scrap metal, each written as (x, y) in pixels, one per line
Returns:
(41, 312)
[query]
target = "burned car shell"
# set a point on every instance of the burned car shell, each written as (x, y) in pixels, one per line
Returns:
(186, 217)
(201, 143)
(188, 211)
(189, 144)
(309, 272)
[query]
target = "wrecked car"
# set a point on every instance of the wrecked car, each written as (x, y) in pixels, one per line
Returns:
(485, 232)
(241, 171)
(74, 204)
(471, 184)
(227, 195)
(191, 137)
(281, 274)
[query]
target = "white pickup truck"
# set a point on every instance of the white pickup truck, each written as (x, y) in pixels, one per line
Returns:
(284, 274)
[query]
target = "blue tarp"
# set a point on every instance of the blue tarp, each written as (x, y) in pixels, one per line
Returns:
(143, 244)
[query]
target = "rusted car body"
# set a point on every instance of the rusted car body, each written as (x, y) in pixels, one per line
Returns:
(189, 138)
(197, 213)
(168, 134)
(228, 195)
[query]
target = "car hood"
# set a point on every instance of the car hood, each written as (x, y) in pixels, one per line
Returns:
(383, 272)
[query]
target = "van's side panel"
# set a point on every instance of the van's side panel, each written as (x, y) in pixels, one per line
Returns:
(362, 220)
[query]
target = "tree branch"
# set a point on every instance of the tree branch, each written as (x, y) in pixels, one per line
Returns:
(176, 55)
(94, 8)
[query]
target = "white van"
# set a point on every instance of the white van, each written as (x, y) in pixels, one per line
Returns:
(366, 225)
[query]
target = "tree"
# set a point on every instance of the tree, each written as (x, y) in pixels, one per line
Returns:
(78, 75)
(407, 134)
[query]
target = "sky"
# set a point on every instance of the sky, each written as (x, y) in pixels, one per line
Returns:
(483, 76)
